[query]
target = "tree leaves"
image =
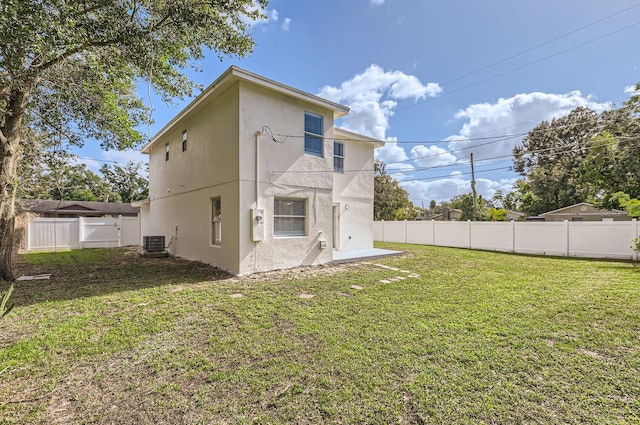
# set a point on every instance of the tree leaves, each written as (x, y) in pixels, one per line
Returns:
(391, 202)
(582, 157)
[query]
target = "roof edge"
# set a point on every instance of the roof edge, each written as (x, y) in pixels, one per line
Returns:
(357, 137)
(234, 73)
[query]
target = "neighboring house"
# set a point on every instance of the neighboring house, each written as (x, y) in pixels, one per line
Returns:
(515, 215)
(253, 176)
(447, 214)
(583, 212)
(75, 209)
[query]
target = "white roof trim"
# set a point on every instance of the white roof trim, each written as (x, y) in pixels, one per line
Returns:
(233, 74)
(347, 135)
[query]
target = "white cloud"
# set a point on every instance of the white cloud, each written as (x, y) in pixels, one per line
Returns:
(423, 191)
(373, 96)
(377, 2)
(92, 164)
(631, 90)
(391, 152)
(431, 156)
(286, 24)
(122, 157)
(486, 122)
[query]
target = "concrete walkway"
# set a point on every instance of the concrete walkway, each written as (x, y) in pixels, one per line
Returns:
(362, 254)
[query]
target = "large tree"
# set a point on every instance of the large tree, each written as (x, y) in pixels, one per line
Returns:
(584, 156)
(125, 181)
(476, 211)
(390, 202)
(70, 68)
(550, 157)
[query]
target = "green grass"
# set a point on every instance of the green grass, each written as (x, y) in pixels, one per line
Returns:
(478, 337)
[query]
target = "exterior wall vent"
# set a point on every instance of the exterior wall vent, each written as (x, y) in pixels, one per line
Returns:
(153, 243)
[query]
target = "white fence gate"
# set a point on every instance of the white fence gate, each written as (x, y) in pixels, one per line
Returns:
(590, 239)
(49, 234)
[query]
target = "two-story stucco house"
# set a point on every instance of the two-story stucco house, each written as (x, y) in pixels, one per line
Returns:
(253, 176)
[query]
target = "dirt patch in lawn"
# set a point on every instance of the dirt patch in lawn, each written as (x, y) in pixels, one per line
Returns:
(80, 274)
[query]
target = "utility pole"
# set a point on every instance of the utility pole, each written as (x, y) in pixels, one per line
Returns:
(473, 187)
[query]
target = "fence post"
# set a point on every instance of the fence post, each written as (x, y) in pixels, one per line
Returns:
(81, 231)
(433, 234)
(405, 231)
(29, 236)
(382, 223)
(566, 225)
(469, 232)
(636, 254)
(120, 230)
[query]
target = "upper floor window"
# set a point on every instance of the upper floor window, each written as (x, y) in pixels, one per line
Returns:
(166, 152)
(338, 157)
(313, 134)
(184, 140)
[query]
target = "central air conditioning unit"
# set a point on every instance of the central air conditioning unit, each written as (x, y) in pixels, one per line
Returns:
(153, 243)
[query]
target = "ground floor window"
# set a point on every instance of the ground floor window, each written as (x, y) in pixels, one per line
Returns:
(290, 217)
(216, 221)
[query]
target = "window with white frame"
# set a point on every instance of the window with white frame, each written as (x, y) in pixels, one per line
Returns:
(338, 157)
(166, 152)
(289, 217)
(216, 221)
(184, 140)
(313, 134)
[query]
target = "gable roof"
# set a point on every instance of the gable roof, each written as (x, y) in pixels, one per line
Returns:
(234, 74)
(588, 206)
(52, 206)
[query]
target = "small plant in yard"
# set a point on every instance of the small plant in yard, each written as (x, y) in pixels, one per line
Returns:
(635, 247)
(4, 308)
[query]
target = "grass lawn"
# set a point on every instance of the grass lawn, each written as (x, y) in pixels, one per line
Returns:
(465, 337)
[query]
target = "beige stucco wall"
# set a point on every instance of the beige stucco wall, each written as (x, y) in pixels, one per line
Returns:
(180, 189)
(221, 161)
(284, 171)
(353, 194)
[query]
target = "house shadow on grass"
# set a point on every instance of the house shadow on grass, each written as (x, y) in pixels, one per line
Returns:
(95, 272)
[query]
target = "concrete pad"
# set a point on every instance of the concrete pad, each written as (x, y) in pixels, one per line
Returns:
(36, 277)
(238, 295)
(385, 281)
(357, 287)
(306, 296)
(361, 254)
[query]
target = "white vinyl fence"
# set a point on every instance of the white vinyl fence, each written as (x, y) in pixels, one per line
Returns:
(47, 234)
(591, 239)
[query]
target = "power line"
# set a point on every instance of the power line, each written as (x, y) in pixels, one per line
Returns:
(544, 43)
(593, 40)
(518, 68)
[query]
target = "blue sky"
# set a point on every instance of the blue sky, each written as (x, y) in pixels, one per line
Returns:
(439, 79)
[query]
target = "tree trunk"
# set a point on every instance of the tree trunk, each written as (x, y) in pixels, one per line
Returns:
(10, 134)
(8, 161)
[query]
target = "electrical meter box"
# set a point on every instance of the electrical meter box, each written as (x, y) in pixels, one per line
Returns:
(257, 224)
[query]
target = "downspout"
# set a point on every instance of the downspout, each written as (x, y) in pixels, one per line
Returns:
(255, 203)
(258, 134)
